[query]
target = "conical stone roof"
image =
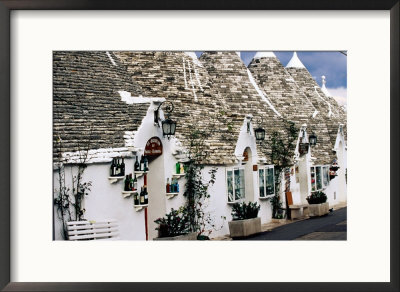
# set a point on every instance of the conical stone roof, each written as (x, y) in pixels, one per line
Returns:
(333, 114)
(87, 109)
(180, 78)
(242, 95)
(291, 102)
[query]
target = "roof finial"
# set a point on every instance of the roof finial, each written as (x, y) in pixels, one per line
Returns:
(295, 62)
(259, 55)
(323, 88)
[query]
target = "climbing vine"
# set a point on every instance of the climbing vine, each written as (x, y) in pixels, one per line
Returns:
(197, 188)
(69, 202)
(282, 148)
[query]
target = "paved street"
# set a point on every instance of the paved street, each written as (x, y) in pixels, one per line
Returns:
(330, 227)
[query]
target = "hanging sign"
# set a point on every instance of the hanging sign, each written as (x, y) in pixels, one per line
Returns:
(153, 147)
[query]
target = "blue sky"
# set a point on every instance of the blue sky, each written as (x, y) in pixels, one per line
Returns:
(331, 64)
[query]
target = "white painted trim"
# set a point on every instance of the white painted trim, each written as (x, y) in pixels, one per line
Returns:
(129, 99)
(265, 168)
(232, 169)
(261, 94)
(111, 58)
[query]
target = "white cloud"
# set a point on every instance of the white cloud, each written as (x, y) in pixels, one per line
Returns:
(339, 94)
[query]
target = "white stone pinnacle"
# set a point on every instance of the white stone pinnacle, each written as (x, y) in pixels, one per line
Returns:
(295, 62)
(323, 88)
(259, 55)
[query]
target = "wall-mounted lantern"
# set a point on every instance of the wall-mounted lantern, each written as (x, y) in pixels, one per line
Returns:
(259, 131)
(260, 134)
(312, 139)
(168, 126)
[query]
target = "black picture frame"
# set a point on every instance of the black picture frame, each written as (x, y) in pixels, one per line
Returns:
(6, 6)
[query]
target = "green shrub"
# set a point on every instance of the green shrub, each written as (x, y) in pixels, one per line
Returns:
(317, 198)
(241, 211)
(174, 223)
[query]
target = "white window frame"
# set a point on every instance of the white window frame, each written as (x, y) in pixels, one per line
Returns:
(313, 169)
(327, 170)
(265, 168)
(232, 169)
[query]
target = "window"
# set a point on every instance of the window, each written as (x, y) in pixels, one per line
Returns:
(266, 181)
(325, 173)
(235, 184)
(319, 177)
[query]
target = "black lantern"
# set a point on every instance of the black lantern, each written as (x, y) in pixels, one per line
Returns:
(312, 139)
(168, 127)
(260, 134)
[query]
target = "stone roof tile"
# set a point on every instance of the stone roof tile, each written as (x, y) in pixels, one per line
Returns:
(87, 109)
(231, 79)
(288, 98)
(333, 114)
(179, 78)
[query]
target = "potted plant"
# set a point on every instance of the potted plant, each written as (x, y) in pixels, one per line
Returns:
(244, 219)
(334, 166)
(174, 226)
(332, 174)
(318, 204)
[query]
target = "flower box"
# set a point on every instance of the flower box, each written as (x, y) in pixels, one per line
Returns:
(246, 227)
(189, 236)
(318, 209)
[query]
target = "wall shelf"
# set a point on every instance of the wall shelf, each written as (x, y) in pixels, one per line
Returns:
(266, 198)
(139, 173)
(171, 195)
(140, 207)
(134, 149)
(178, 175)
(114, 179)
(126, 194)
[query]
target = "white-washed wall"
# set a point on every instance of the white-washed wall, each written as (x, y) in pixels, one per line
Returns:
(106, 200)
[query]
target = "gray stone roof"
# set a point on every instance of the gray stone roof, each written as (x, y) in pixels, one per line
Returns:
(320, 101)
(231, 79)
(214, 93)
(292, 103)
(87, 109)
(178, 78)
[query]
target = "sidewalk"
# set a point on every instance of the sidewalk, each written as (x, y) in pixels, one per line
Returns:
(279, 222)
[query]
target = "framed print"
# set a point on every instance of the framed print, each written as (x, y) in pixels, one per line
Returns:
(120, 119)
